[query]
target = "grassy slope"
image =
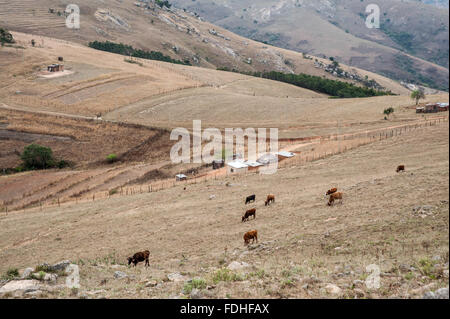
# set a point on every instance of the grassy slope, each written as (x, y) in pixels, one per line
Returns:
(167, 31)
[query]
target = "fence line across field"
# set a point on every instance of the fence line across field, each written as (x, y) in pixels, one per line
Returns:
(352, 140)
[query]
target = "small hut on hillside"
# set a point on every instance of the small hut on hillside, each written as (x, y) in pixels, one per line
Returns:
(236, 167)
(181, 177)
(55, 68)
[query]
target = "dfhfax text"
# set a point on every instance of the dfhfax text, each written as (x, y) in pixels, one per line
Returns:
(228, 308)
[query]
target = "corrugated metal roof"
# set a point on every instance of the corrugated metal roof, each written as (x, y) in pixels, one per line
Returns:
(253, 164)
(237, 164)
(286, 154)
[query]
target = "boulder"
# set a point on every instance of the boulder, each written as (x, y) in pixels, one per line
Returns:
(60, 266)
(195, 294)
(176, 277)
(438, 294)
(20, 285)
(26, 273)
(50, 277)
(333, 289)
(423, 289)
(120, 275)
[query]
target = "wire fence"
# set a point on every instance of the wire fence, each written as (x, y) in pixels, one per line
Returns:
(322, 147)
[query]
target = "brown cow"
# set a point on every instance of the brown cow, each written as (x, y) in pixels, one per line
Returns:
(139, 257)
(334, 197)
(250, 212)
(250, 235)
(331, 191)
(400, 168)
(270, 199)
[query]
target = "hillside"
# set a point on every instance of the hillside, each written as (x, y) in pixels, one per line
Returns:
(97, 212)
(411, 44)
(173, 32)
(128, 109)
(303, 245)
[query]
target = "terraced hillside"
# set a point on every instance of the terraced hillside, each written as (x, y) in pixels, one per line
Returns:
(174, 32)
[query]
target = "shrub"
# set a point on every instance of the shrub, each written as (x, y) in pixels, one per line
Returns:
(128, 50)
(63, 164)
(164, 3)
(11, 273)
(111, 158)
(388, 111)
(334, 88)
(41, 275)
(197, 283)
(5, 36)
(37, 157)
(43, 268)
(418, 95)
(287, 283)
(226, 275)
(134, 62)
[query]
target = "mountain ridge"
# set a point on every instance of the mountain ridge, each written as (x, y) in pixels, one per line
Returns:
(339, 31)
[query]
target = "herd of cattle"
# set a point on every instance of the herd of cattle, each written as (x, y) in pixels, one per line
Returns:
(333, 194)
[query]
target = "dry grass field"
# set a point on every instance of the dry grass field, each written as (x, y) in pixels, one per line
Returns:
(166, 95)
(303, 244)
(106, 105)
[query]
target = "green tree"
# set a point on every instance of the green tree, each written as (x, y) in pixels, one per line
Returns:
(388, 111)
(37, 157)
(5, 37)
(417, 95)
(111, 158)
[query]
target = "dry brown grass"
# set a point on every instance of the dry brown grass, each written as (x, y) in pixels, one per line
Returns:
(79, 140)
(301, 235)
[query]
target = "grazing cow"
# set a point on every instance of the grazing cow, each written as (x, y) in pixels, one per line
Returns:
(400, 168)
(334, 197)
(250, 199)
(270, 199)
(331, 191)
(251, 235)
(139, 257)
(250, 212)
